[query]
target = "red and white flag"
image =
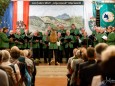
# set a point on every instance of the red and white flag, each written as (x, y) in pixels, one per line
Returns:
(20, 12)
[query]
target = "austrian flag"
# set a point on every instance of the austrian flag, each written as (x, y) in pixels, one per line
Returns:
(20, 13)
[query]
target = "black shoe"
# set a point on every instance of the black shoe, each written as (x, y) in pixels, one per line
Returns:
(49, 63)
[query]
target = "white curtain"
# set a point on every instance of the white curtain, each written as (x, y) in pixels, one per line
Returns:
(87, 14)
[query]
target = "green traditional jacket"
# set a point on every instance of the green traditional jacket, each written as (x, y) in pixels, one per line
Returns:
(111, 38)
(27, 41)
(35, 44)
(11, 43)
(94, 32)
(63, 32)
(86, 42)
(53, 45)
(69, 44)
(40, 34)
(45, 41)
(61, 47)
(75, 32)
(22, 31)
(4, 41)
(19, 44)
(98, 38)
(101, 39)
(72, 32)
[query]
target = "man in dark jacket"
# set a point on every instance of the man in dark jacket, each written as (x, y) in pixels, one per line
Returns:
(82, 71)
(87, 73)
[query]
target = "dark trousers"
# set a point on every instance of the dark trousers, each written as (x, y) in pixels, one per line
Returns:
(41, 50)
(45, 54)
(36, 53)
(60, 55)
(76, 44)
(51, 55)
(68, 53)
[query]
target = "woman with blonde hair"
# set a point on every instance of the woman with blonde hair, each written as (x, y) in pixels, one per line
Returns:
(53, 47)
(3, 75)
(6, 63)
(75, 67)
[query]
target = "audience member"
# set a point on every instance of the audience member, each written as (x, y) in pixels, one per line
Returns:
(85, 78)
(107, 66)
(69, 66)
(75, 62)
(6, 62)
(94, 69)
(3, 75)
(34, 71)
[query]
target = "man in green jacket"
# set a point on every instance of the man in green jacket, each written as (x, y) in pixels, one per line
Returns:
(111, 36)
(62, 31)
(36, 46)
(11, 36)
(69, 40)
(19, 41)
(27, 39)
(60, 44)
(74, 32)
(45, 43)
(4, 41)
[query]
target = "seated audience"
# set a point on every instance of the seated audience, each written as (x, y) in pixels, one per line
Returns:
(6, 63)
(94, 69)
(3, 75)
(75, 62)
(15, 54)
(69, 66)
(34, 71)
(83, 72)
(107, 66)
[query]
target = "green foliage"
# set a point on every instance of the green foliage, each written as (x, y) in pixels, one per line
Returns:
(3, 5)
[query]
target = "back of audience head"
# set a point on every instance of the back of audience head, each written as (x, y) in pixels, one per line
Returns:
(21, 53)
(5, 55)
(25, 52)
(15, 52)
(99, 48)
(108, 63)
(78, 54)
(84, 53)
(29, 54)
(74, 51)
(91, 53)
